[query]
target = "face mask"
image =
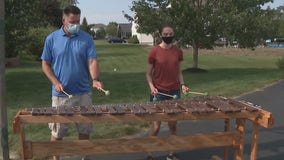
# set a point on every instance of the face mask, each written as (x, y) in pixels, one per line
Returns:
(73, 28)
(168, 40)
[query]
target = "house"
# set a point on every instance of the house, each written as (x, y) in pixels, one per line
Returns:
(96, 27)
(124, 30)
(145, 39)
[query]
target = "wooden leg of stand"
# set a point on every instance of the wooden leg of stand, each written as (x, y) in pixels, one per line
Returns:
(226, 149)
(254, 142)
(239, 149)
(22, 141)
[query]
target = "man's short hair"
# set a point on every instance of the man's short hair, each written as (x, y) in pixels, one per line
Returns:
(71, 9)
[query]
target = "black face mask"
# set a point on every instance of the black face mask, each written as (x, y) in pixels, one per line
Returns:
(168, 40)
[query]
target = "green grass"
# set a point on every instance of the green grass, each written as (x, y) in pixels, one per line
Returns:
(228, 75)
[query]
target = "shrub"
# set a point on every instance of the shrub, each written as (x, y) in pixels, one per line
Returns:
(280, 63)
(35, 41)
(133, 40)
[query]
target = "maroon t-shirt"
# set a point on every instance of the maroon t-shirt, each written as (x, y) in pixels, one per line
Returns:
(166, 67)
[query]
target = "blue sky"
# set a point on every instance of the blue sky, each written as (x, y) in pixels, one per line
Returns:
(105, 11)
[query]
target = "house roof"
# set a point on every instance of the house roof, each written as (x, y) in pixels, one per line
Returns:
(125, 27)
(98, 25)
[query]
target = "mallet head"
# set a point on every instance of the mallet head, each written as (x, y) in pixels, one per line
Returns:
(155, 98)
(175, 96)
(107, 92)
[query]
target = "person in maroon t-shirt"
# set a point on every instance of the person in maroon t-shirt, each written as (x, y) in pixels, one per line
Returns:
(164, 76)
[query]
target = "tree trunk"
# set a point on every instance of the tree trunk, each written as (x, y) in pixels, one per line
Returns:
(195, 55)
(4, 147)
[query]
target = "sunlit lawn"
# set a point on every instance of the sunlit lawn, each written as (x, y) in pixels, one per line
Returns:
(123, 73)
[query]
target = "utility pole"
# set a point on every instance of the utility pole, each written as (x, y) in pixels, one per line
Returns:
(4, 148)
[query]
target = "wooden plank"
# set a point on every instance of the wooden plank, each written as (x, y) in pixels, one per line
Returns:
(48, 111)
(132, 117)
(133, 145)
(133, 109)
(97, 110)
(263, 118)
(35, 111)
(193, 107)
(141, 109)
(111, 110)
(118, 109)
(242, 105)
(25, 151)
(164, 108)
(65, 110)
(254, 141)
(239, 149)
(223, 106)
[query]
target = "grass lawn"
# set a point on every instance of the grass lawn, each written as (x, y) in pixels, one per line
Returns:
(231, 72)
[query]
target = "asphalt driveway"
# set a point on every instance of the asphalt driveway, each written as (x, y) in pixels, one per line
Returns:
(271, 141)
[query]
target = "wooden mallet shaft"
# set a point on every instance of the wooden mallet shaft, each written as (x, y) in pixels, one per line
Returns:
(69, 95)
(168, 95)
(105, 91)
(200, 93)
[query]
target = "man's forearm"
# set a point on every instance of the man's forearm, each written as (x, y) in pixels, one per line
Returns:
(94, 69)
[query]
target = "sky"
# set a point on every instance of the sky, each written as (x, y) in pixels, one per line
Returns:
(105, 11)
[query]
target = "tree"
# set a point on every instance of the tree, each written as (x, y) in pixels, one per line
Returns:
(100, 33)
(280, 17)
(200, 23)
(52, 11)
(64, 3)
(21, 16)
(127, 16)
(84, 26)
(4, 146)
(112, 29)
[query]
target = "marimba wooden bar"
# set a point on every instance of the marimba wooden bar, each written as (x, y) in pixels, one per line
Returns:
(196, 108)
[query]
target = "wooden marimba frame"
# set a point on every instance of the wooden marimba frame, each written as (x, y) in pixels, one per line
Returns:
(196, 108)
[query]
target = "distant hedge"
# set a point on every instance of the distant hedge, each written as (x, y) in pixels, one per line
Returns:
(133, 40)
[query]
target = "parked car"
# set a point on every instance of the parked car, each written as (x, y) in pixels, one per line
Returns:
(116, 40)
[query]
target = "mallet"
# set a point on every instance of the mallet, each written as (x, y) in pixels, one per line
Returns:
(199, 93)
(69, 95)
(168, 95)
(155, 98)
(107, 92)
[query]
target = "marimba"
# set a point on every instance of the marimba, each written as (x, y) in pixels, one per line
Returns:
(195, 108)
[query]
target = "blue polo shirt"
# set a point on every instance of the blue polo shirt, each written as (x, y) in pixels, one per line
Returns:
(69, 56)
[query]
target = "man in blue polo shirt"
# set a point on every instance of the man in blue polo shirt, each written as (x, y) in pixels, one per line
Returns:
(69, 61)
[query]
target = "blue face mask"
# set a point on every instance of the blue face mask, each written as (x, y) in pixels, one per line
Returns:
(73, 28)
